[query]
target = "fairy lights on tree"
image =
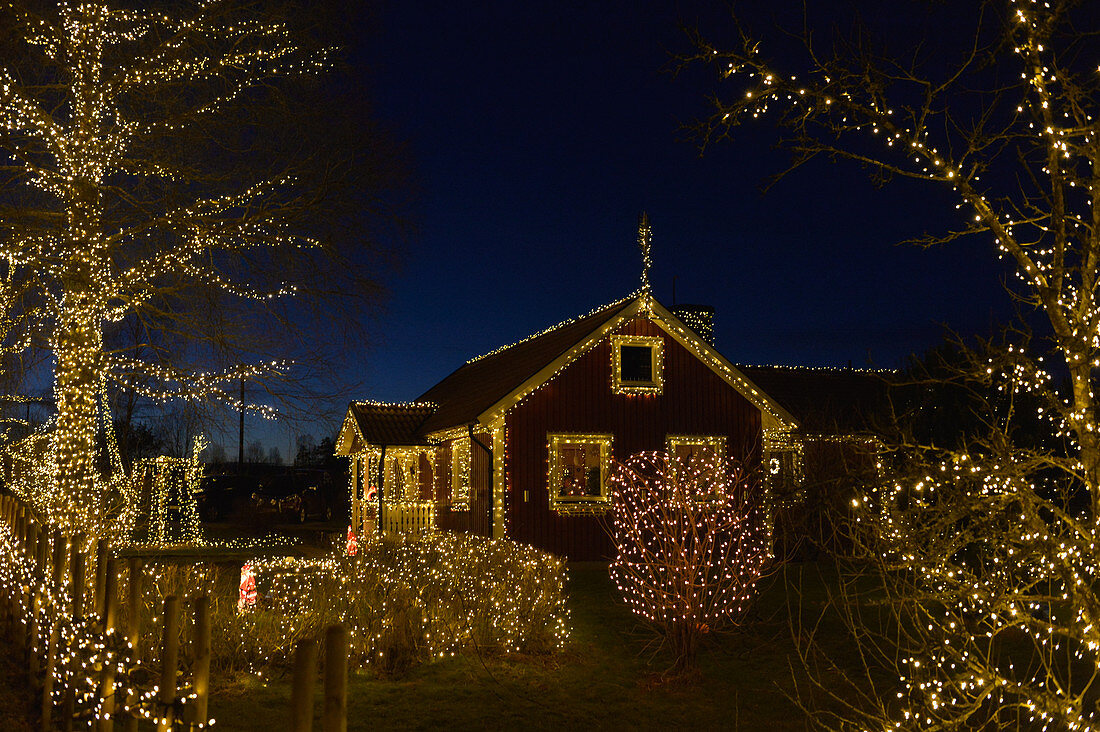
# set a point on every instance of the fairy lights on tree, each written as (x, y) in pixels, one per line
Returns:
(124, 205)
(988, 548)
(692, 539)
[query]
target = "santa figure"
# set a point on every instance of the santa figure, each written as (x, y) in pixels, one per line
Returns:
(247, 599)
(353, 543)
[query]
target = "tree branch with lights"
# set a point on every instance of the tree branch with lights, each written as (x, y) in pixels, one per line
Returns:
(692, 539)
(153, 175)
(986, 548)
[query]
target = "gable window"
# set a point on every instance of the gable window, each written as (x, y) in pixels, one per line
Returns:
(637, 364)
(579, 467)
(460, 474)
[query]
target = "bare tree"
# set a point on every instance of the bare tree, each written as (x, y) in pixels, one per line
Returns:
(691, 542)
(987, 547)
(159, 172)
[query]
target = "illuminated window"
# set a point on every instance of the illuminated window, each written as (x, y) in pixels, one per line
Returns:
(688, 448)
(637, 363)
(783, 469)
(579, 466)
(460, 474)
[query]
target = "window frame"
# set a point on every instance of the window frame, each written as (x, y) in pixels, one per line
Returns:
(674, 441)
(580, 504)
(655, 385)
(461, 469)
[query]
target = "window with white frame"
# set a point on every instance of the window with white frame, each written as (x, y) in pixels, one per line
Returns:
(579, 467)
(460, 474)
(637, 364)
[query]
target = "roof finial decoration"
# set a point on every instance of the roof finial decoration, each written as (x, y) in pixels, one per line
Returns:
(645, 242)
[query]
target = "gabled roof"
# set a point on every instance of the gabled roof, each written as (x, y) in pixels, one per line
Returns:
(484, 388)
(383, 424)
(479, 384)
(831, 401)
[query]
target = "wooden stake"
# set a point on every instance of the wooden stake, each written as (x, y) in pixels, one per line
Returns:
(169, 662)
(305, 676)
(76, 576)
(335, 715)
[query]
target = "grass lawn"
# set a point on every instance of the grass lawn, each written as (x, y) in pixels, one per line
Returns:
(609, 677)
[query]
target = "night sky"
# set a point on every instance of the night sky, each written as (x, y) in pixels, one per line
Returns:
(539, 131)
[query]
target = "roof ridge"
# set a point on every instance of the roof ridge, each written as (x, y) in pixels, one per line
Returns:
(413, 404)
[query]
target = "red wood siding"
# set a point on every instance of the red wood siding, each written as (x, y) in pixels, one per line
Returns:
(695, 400)
(476, 520)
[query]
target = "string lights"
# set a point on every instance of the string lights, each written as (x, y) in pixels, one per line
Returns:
(691, 541)
(95, 251)
(990, 550)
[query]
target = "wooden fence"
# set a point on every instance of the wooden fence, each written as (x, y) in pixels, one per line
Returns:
(409, 517)
(59, 605)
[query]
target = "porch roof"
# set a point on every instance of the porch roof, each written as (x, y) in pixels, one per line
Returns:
(390, 424)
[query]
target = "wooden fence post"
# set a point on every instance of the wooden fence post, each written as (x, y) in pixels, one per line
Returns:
(200, 666)
(76, 577)
(335, 716)
(305, 676)
(58, 567)
(77, 566)
(46, 710)
(31, 655)
(169, 662)
(110, 615)
(101, 580)
(42, 553)
(133, 631)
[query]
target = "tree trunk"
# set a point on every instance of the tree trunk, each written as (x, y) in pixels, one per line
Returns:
(78, 349)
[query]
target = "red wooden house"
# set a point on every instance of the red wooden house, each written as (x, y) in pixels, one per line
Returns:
(519, 442)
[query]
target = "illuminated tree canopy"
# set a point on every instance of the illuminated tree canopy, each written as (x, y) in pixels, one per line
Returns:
(141, 184)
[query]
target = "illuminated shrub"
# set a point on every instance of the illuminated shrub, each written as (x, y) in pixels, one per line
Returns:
(691, 540)
(410, 600)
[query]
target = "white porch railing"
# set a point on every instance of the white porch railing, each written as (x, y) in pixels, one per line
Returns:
(409, 517)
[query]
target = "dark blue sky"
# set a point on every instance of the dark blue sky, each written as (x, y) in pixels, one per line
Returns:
(541, 130)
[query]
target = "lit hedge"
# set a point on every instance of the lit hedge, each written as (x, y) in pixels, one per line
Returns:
(409, 600)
